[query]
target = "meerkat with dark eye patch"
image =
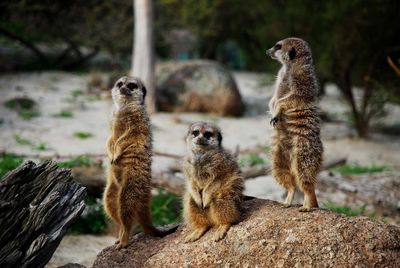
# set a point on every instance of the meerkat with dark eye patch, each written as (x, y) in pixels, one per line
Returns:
(129, 148)
(296, 150)
(214, 183)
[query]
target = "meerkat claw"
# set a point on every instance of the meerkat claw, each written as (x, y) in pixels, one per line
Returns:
(120, 246)
(221, 232)
(195, 235)
(304, 209)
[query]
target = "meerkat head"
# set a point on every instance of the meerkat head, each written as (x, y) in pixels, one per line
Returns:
(290, 50)
(203, 136)
(128, 90)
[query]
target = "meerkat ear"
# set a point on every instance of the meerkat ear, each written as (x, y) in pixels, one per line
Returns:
(144, 90)
(292, 53)
(219, 138)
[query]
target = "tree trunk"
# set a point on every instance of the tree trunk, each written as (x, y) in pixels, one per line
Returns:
(37, 205)
(143, 49)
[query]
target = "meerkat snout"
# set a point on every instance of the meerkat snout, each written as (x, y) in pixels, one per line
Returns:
(128, 90)
(275, 51)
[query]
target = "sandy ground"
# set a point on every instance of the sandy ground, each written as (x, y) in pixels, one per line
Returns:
(80, 249)
(54, 92)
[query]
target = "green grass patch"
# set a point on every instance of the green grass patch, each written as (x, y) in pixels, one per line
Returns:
(22, 103)
(93, 97)
(345, 210)
(76, 93)
(24, 106)
(349, 169)
(166, 208)
(21, 140)
(83, 135)
(266, 148)
(79, 161)
(9, 162)
(28, 114)
(92, 220)
(64, 114)
(251, 160)
(41, 147)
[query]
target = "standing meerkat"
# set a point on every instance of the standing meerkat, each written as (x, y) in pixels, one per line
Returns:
(296, 150)
(129, 148)
(214, 183)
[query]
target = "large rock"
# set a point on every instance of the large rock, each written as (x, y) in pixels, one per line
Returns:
(197, 86)
(270, 236)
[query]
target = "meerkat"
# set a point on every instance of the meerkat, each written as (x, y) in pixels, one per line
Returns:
(296, 150)
(129, 148)
(214, 183)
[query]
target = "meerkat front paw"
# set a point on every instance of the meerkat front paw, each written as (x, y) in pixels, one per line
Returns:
(220, 232)
(206, 200)
(195, 235)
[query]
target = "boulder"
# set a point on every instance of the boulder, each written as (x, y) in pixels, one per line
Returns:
(270, 236)
(197, 86)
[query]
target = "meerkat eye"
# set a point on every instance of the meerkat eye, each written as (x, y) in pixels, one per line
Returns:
(119, 84)
(195, 133)
(132, 86)
(278, 46)
(208, 135)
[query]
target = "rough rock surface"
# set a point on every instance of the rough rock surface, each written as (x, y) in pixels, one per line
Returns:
(270, 236)
(197, 86)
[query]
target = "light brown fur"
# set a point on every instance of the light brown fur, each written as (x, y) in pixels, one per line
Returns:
(129, 148)
(296, 150)
(214, 183)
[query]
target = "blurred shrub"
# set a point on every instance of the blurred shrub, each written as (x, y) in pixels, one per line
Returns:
(165, 208)
(81, 160)
(9, 162)
(251, 160)
(92, 219)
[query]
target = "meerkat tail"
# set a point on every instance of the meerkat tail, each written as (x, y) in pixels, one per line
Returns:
(145, 221)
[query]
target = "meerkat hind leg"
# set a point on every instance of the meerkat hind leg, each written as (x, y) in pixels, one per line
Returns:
(310, 201)
(289, 198)
(281, 172)
(127, 206)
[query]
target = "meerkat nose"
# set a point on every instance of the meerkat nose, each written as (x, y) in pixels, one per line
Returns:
(125, 91)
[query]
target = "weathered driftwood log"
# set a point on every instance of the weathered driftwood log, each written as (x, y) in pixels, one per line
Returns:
(37, 205)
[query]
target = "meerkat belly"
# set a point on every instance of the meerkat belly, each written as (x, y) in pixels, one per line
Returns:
(303, 122)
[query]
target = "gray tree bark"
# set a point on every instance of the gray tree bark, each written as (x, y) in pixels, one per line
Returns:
(143, 62)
